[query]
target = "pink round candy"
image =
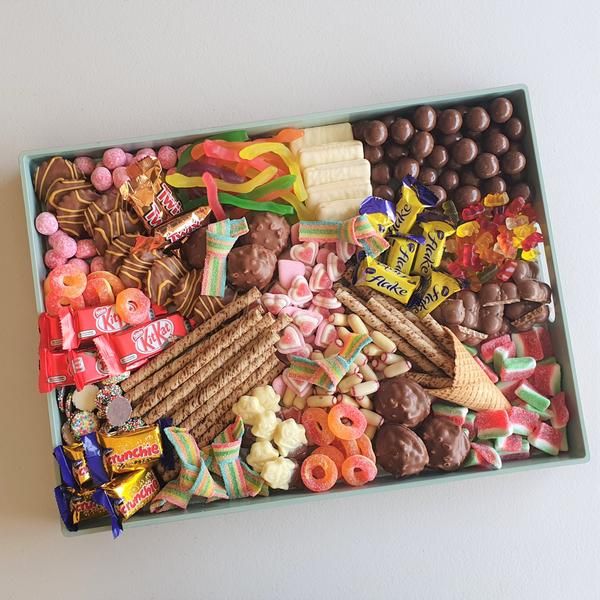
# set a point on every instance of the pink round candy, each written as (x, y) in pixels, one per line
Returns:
(53, 239)
(53, 259)
(128, 158)
(182, 149)
(65, 246)
(113, 158)
(144, 152)
(167, 157)
(79, 264)
(86, 249)
(97, 264)
(85, 164)
(46, 223)
(120, 176)
(101, 179)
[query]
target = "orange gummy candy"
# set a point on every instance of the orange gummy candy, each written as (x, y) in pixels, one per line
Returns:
(318, 473)
(133, 306)
(316, 425)
(346, 421)
(358, 470)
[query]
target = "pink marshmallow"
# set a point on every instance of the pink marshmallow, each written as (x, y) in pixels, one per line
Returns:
(288, 270)
(86, 249)
(85, 164)
(167, 155)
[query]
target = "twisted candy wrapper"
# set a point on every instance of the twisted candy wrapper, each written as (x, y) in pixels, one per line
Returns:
(357, 230)
(221, 458)
(220, 238)
(327, 372)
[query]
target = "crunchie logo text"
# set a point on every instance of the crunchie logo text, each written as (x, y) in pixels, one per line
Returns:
(139, 453)
(381, 282)
(154, 336)
(141, 497)
(107, 319)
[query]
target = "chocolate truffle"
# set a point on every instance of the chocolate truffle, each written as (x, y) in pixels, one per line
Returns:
(425, 118)
(466, 195)
(394, 152)
(400, 400)
(380, 173)
(513, 129)
(268, 230)
(384, 191)
(402, 131)
(438, 157)
(399, 450)
(406, 166)
(446, 443)
(427, 176)
(464, 151)
(520, 189)
(486, 165)
(501, 110)
(422, 144)
(496, 143)
(193, 251)
(373, 153)
(375, 133)
(439, 192)
(493, 185)
(388, 120)
(513, 162)
(251, 265)
(448, 179)
(449, 121)
(477, 119)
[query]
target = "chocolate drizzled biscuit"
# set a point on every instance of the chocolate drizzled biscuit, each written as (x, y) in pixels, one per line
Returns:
(55, 169)
(162, 278)
(135, 267)
(103, 205)
(118, 250)
(70, 207)
(110, 226)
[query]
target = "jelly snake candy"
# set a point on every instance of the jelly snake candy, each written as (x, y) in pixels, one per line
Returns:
(318, 473)
(346, 421)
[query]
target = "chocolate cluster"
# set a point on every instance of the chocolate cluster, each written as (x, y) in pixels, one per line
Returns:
(461, 153)
(519, 303)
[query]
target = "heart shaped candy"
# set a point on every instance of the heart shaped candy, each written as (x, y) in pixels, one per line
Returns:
(288, 269)
(298, 385)
(291, 340)
(325, 335)
(295, 233)
(324, 312)
(305, 252)
(299, 291)
(345, 250)
(307, 321)
(274, 303)
(319, 280)
(279, 385)
(335, 266)
(304, 352)
(326, 299)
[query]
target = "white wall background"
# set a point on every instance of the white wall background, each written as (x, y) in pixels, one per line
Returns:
(74, 72)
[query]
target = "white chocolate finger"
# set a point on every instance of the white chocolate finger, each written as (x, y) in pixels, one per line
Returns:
(372, 417)
(397, 368)
(341, 190)
(345, 399)
(334, 172)
(347, 382)
(324, 134)
(383, 342)
(330, 153)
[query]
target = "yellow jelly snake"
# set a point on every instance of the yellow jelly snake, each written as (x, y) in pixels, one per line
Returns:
(285, 153)
(178, 180)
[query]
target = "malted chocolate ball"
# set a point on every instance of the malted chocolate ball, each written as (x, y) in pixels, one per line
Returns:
(425, 118)
(514, 129)
(464, 151)
(466, 195)
(422, 144)
(486, 165)
(501, 110)
(450, 121)
(467, 177)
(513, 162)
(439, 192)
(402, 131)
(388, 120)
(384, 191)
(496, 143)
(395, 152)
(438, 157)
(427, 175)
(380, 173)
(375, 133)
(358, 130)
(450, 139)
(401, 400)
(448, 179)
(406, 166)
(373, 154)
(494, 185)
(399, 450)
(477, 119)
(520, 189)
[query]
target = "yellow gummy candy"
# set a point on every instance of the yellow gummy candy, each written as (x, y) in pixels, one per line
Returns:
(530, 255)
(178, 180)
(492, 200)
(524, 231)
(467, 229)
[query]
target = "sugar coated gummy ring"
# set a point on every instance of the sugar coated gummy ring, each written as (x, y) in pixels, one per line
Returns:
(133, 306)
(315, 424)
(98, 293)
(334, 454)
(346, 422)
(115, 283)
(54, 303)
(318, 473)
(358, 470)
(67, 281)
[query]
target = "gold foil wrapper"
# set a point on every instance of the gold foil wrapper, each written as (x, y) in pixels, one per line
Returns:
(131, 450)
(83, 508)
(79, 466)
(132, 491)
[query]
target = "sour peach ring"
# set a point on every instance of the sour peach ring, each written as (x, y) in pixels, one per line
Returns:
(346, 422)
(67, 281)
(318, 473)
(133, 306)
(358, 470)
(334, 454)
(315, 424)
(182, 181)
(366, 447)
(98, 293)
(115, 283)
(54, 303)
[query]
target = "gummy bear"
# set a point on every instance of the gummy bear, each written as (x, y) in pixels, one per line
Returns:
(467, 229)
(492, 200)
(515, 207)
(514, 222)
(506, 270)
(531, 241)
(524, 231)
(529, 255)
(470, 213)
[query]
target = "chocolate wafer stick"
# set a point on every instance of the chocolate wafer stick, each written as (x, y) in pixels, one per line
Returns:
(352, 303)
(208, 429)
(181, 345)
(429, 381)
(403, 327)
(172, 375)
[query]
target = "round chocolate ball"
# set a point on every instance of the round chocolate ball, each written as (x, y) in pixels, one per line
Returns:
(486, 165)
(520, 189)
(448, 179)
(399, 450)
(439, 192)
(251, 266)
(388, 120)
(267, 229)
(464, 151)
(494, 185)
(467, 177)
(375, 133)
(466, 195)
(427, 175)
(513, 162)
(380, 173)
(514, 129)
(438, 157)
(384, 191)
(501, 110)
(406, 166)
(449, 121)
(402, 131)
(450, 139)
(395, 152)
(403, 401)
(373, 154)
(422, 144)
(477, 119)
(425, 118)
(446, 443)
(358, 130)
(496, 143)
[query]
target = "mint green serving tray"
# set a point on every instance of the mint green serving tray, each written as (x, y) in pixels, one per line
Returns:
(578, 447)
